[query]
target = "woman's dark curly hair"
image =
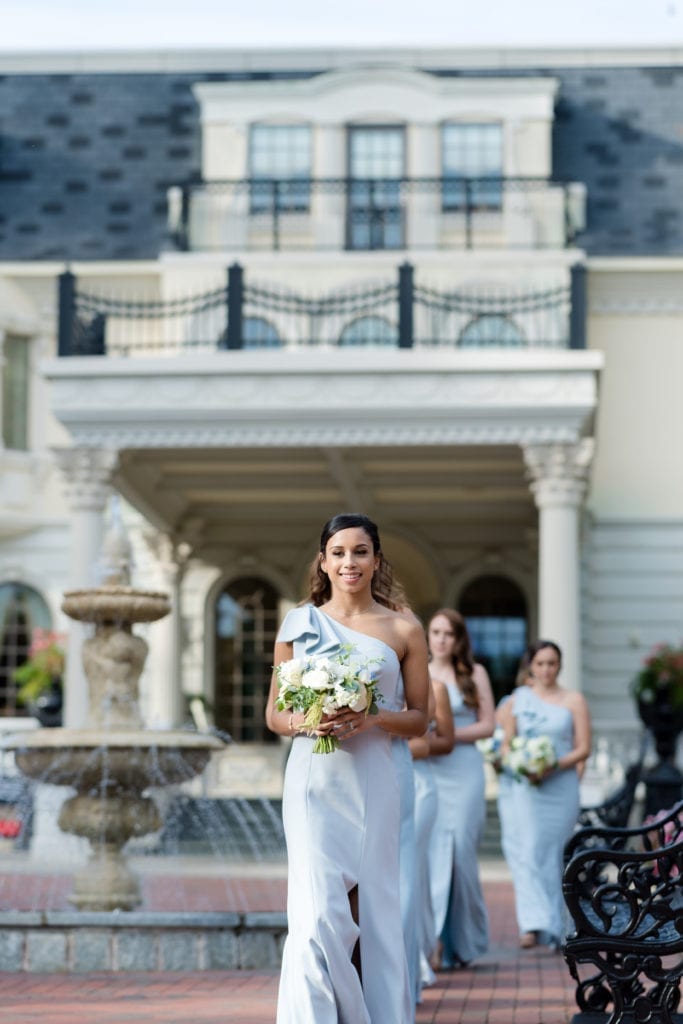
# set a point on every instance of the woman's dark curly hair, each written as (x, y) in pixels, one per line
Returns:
(385, 589)
(463, 659)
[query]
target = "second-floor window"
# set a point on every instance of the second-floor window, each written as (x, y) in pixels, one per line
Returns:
(15, 391)
(280, 168)
(376, 167)
(472, 166)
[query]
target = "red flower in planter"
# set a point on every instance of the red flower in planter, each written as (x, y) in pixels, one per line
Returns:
(9, 828)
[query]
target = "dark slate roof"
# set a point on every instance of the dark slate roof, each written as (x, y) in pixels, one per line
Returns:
(85, 159)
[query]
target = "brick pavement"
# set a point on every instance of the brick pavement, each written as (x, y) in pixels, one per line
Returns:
(508, 986)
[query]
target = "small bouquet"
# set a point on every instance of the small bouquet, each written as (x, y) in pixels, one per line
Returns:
(529, 756)
(491, 748)
(320, 685)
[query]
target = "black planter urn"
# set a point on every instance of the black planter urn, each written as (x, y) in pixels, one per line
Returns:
(663, 782)
(47, 708)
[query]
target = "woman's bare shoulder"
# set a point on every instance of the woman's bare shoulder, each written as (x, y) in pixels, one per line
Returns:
(405, 627)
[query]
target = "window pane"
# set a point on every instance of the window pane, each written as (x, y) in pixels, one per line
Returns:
(15, 393)
(376, 166)
(491, 330)
(246, 627)
(472, 151)
(259, 333)
(278, 152)
(22, 610)
(369, 330)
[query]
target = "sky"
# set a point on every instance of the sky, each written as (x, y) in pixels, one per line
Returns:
(91, 25)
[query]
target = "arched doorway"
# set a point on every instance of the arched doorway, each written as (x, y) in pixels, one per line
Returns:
(22, 610)
(495, 611)
(246, 626)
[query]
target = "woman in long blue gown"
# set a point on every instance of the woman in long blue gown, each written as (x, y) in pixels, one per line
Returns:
(547, 803)
(459, 908)
(341, 962)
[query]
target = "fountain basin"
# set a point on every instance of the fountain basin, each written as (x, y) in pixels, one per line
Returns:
(115, 603)
(123, 760)
(110, 772)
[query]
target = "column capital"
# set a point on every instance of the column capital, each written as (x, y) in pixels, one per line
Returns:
(87, 474)
(558, 473)
(171, 554)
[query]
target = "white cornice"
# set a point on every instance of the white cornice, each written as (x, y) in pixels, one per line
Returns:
(379, 92)
(325, 398)
(314, 59)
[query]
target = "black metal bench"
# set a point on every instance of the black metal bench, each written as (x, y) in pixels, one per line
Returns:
(615, 810)
(624, 891)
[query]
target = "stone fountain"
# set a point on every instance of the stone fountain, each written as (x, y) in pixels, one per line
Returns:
(113, 760)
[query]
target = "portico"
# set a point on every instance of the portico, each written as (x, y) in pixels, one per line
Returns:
(235, 459)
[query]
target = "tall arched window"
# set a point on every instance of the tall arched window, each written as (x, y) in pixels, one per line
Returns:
(22, 610)
(495, 611)
(491, 329)
(246, 626)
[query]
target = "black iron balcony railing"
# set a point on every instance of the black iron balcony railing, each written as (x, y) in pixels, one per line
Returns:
(399, 313)
(360, 214)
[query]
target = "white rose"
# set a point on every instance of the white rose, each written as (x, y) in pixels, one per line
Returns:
(315, 679)
(290, 672)
(360, 700)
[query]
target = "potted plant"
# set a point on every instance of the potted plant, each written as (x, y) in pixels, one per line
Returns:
(659, 684)
(658, 691)
(40, 677)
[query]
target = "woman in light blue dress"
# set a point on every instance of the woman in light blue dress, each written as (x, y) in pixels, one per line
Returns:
(546, 802)
(509, 814)
(342, 963)
(459, 909)
(438, 740)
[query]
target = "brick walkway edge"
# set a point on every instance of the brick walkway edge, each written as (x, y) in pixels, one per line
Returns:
(508, 986)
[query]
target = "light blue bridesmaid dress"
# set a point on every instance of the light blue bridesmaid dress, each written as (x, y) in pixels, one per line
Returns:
(459, 909)
(508, 812)
(403, 760)
(549, 812)
(341, 814)
(426, 810)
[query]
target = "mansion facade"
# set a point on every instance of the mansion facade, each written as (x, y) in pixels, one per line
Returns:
(245, 291)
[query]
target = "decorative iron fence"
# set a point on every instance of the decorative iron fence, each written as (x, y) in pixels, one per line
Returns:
(359, 214)
(390, 314)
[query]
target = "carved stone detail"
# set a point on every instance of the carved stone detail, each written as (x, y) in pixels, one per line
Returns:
(559, 472)
(87, 473)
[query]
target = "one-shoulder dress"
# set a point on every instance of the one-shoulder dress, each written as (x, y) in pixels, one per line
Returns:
(549, 812)
(341, 815)
(459, 909)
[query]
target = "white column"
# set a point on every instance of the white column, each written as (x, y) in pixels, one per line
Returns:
(87, 475)
(164, 706)
(559, 476)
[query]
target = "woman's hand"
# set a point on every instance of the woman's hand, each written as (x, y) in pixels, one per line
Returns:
(344, 724)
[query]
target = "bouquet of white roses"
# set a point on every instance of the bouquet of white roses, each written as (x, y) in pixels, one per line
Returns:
(320, 685)
(530, 756)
